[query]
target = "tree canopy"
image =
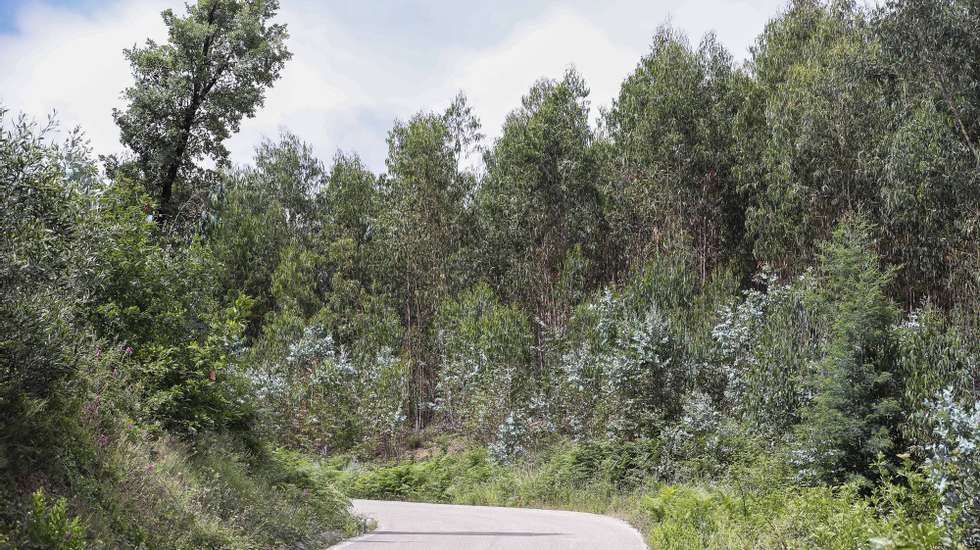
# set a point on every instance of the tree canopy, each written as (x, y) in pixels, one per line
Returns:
(769, 265)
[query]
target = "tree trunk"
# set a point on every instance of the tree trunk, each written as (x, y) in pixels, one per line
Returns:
(200, 90)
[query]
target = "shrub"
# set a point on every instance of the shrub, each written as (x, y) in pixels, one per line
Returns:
(319, 396)
(755, 504)
(43, 261)
(853, 412)
(48, 526)
(484, 353)
(954, 465)
(764, 344)
(623, 373)
(439, 479)
(934, 355)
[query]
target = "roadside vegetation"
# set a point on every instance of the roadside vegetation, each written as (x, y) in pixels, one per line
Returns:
(755, 504)
(741, 311)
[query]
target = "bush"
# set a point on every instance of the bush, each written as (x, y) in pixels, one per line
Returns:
(436, 480)
(48, 526)
(934, 355)
(163, 493)
(623, 373)
(954, 465)
(43, 261)
(320, 396)
(484, 352)
(187, 339)
(764, 344)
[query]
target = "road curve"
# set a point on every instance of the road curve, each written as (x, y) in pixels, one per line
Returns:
(416, 526)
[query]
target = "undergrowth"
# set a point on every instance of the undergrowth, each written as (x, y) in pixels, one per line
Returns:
(112, 481)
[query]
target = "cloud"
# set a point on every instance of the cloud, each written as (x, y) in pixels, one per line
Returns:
(340, 101)
(352, 74)
(319, 93)
(59, 60)
(495, 80)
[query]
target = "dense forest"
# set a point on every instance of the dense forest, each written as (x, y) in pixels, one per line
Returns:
(740, 307)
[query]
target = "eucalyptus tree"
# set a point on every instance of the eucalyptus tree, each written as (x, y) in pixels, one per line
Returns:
(191, 93)
(671, 130)
(357, 308)
(350, 201)
(483, 348)
(872, 112)
(259, 212)
(424, 228)
(539, 203)
(930, 160)
(934, 48)
(809, 120)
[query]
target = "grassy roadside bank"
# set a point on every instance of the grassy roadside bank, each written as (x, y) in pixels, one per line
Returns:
(89, 474)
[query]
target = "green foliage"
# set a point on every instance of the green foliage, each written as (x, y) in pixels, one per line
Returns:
(191, 93)
(800, 167)
(199, 386)
(625, 465)
(732, 516)
(262, 212)
(853, 413)
(424, 229)
(922, 203)
(155, 303)
(319, 396)
(134, 486)
(360, 317)
(43, 258)
(671, 130)
(900, 77)
(628, 377)
(44, 265)
(934, 355)
(753, 506)
(484, 351)
(48, 527)
(953, 459)
(539, 204)
(144, 290)
(217, 495)
(932, 47)
(765, 343)
(629, 359)
(707, 292)
(110, 335)
(429, 481)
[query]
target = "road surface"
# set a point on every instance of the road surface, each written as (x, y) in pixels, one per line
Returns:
(415, 526)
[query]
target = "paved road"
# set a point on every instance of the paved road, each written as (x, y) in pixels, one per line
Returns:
(408, 525)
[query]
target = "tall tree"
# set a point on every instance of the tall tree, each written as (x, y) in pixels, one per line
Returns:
(260, 211)
(539, 204)
(934, 48)
(810, 66)
(930, 204)
(671, 129)
(191, 93)
(424, 226)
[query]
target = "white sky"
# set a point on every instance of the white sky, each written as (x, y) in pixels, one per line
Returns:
(358, 66)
